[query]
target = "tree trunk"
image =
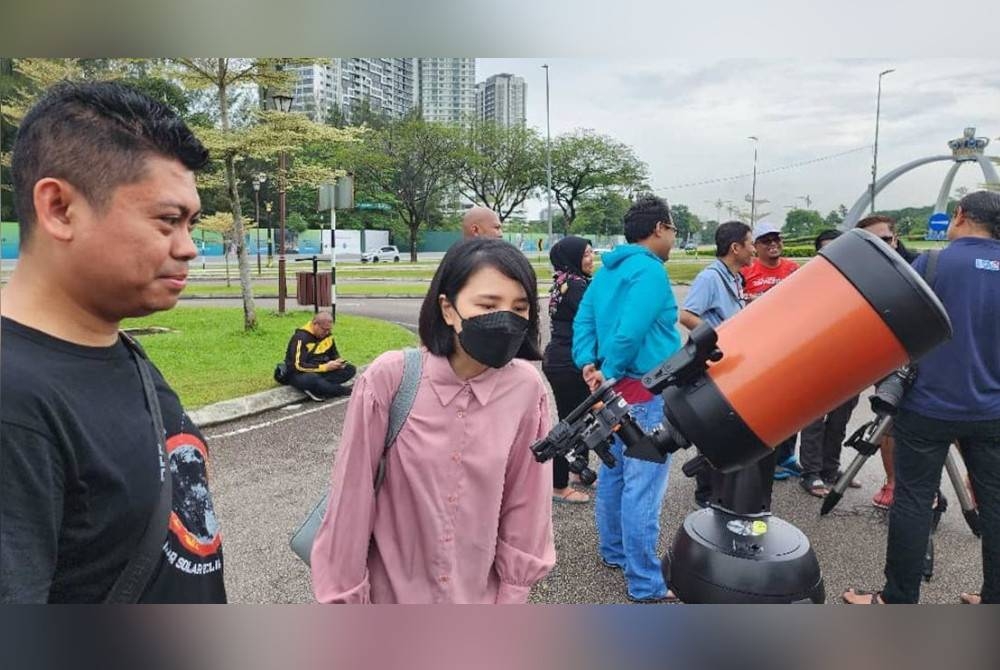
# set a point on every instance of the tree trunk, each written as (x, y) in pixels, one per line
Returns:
(414, 226)
(246, 288)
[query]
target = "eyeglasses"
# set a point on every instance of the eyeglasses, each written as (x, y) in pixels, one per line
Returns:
(669, 226)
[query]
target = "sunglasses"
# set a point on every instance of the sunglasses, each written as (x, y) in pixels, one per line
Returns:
(887, 240)
(769, 240)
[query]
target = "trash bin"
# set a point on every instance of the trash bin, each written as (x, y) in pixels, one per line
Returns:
(304, 289)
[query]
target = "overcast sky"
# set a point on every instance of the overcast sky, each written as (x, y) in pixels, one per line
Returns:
(689, 121)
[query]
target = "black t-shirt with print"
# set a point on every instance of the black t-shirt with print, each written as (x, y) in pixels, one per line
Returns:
(79, 477)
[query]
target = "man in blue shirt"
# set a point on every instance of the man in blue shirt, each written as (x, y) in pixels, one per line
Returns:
(717, 292)
(715, 295)
(956, 397)
(625, 326)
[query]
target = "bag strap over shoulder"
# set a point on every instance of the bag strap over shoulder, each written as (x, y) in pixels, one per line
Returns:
(402, 403)
(930, 270)
(132, 581)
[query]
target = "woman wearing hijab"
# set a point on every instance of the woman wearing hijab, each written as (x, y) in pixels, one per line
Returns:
(573, 260)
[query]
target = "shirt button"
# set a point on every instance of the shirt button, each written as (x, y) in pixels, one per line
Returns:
(461, 414)
(456, 457)
(452, 498)
(446, 538)
(443, 579)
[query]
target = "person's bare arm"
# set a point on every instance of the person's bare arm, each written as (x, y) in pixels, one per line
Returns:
(689, 320)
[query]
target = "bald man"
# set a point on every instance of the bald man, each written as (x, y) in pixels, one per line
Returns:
(481, 222)
(314, 365)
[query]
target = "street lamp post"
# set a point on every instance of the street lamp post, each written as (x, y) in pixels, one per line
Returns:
(753, 188)
(878, 109)
(283, 103)
(548, 154)
(257, 180)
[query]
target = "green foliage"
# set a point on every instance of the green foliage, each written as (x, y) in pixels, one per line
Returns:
(498, 166)
(686, 221)
(296, 223)
(800, 251)
(584, 162)
(211, 358)
(803, 222)
(412, 161)
(598, 214)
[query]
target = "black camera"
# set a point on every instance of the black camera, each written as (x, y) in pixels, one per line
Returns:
(593, 425)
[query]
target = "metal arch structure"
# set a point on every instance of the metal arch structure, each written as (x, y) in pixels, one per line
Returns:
(966, 149)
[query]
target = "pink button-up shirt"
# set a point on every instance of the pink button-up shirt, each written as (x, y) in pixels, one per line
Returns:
(464, 514)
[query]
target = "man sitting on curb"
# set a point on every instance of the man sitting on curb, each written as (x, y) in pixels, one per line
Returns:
(314, 366)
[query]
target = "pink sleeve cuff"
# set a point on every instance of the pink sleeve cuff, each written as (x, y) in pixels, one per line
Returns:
(511, 594)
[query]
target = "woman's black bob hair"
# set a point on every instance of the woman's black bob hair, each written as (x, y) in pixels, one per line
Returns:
(461, 262)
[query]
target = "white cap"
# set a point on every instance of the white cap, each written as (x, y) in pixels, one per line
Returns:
(765, 228)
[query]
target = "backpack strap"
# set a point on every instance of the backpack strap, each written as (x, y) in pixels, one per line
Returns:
(402, 403)
(930, 270)
(132, 582)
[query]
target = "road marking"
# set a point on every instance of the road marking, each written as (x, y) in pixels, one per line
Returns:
(266, 424)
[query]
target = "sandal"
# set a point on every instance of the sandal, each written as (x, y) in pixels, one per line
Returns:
(571, 497)
(970, 598)
(875, 597)
(814, 486)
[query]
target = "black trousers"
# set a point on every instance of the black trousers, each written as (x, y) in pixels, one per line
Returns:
(921, 448)
(820, 443)
(322, 383)
(570, 390)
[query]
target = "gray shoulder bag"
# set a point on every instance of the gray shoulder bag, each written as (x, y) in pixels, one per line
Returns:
(402, 403)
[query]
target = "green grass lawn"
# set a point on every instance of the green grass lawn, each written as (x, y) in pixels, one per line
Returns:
(210, 358)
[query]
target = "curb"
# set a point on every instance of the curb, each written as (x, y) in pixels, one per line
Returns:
(239, 408)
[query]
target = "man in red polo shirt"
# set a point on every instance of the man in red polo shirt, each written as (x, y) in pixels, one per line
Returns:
(763, 274)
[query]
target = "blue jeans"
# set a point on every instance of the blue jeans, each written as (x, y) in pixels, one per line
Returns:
(629, 498)
(922, 445)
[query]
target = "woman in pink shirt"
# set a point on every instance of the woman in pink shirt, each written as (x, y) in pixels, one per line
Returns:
(464, 512)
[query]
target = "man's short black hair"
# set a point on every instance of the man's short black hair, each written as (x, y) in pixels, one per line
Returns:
(728, 234)
(983, 207)
(825, 235)
(96, 136)
(462, 261)
(642, 217)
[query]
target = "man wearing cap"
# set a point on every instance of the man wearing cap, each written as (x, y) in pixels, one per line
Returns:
(764, 274)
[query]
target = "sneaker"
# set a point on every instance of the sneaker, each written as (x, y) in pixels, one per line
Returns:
(317, 398)
(883, 499)
(792, 466)
(613, 566)
(668, 599)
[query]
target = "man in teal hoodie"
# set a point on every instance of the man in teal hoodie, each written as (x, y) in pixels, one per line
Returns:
(626, 325)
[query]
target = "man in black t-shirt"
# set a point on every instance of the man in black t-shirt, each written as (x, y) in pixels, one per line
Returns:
(105, 192)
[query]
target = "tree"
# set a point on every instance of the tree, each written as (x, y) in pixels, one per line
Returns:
(265, 136)
(600, 214)
(584, 162)
(499, 166)
(412, 161)
(686, 221)
(802, 223)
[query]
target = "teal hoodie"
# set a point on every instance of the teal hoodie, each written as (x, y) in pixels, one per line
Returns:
(627, 320)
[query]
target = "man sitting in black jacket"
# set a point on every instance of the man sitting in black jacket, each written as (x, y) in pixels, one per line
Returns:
(314, 366)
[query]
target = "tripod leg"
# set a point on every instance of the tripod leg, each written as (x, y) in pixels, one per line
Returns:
(962, 493)
(929, 559)
(834, 496)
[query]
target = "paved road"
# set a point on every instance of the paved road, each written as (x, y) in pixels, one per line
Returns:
(268, 470)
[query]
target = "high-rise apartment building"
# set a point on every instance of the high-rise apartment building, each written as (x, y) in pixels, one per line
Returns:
(501, 99)
(388, 84)
(447, 89)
